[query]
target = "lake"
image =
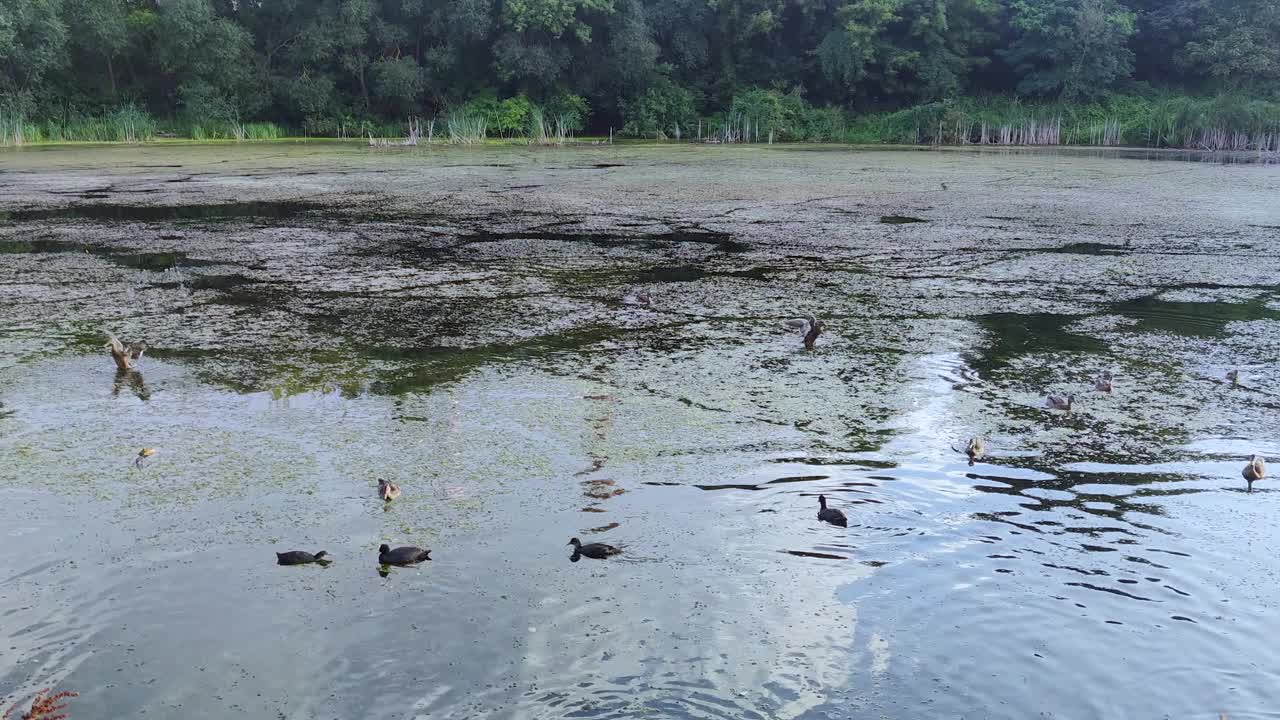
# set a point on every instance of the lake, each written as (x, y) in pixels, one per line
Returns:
(469, 323)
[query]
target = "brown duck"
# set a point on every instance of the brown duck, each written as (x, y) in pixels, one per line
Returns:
(1254, 471)
(124, 356)
(388, 491)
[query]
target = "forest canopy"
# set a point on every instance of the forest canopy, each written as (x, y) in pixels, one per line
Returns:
(644, 65)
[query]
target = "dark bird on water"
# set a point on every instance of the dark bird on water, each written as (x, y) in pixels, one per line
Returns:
(815, 329)
(298, 557)
(599, 551)
(830, 515)
(388, 491)
(1254, 471)
(408, 555)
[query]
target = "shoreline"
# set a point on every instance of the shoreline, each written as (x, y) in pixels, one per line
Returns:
(602, 141)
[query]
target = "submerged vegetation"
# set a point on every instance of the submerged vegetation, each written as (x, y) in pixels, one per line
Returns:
(44, 706)
(1164, 73)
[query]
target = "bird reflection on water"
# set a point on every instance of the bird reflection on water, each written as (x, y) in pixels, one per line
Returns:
(131, 379)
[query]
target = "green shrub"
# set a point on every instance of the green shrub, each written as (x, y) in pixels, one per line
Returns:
(507, 117)
(572, 110)
(664, 109)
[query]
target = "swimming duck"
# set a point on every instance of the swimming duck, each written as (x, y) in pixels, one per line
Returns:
(1233, 376)
(407, 555)
(1254, 471)
(815, 329)
(1102, 383)
(599, 551)
(976, 449)
(643, 297)
(1057, 402)
(388, 491)
(298, 557)
(830, 515)
(143, 454)
(125, 357)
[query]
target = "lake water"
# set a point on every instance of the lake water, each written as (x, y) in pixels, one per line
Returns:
(465, 322)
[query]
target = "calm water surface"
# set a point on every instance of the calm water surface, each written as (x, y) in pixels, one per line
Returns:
(464, 324)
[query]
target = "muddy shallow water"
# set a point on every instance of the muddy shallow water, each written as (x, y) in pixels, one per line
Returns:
(466, 322)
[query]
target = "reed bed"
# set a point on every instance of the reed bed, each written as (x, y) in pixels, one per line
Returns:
(466, 128)
(15, 130)
(1223, 123)
(545, 130)
(411, 138)
(128, 124)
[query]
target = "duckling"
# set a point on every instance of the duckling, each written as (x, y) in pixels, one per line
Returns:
(125, 357)
(976, 450)
(143, 454)
(407, 555)
(1102, 383)
(830, 515)
(1233, 376)
(298, 557)
(598, 551)
(1254, 471)
(815, 329)
(1057, 402)
(388, 491)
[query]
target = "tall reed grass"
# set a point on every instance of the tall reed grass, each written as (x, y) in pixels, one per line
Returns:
(1230, 123)
(547, 130)
(127, 123)
(409, 140)
(466, 128)
(15, 130)
(1221, 123)
(223, 130)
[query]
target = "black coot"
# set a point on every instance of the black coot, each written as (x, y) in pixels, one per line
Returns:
(830, 515)
(408, 555)
(599, 551)
(298, 557)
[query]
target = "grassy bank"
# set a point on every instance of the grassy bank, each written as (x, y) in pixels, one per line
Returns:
(758, 116)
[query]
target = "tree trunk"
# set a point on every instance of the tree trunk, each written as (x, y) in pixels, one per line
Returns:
(111, 76)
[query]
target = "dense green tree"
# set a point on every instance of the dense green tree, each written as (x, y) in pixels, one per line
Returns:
(399, 83)
(99, 31)
(651, 65)
(908, 49)
(210, 60)
(1073, 49)
(33, 43)
(665, 109)
(1239, 45)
